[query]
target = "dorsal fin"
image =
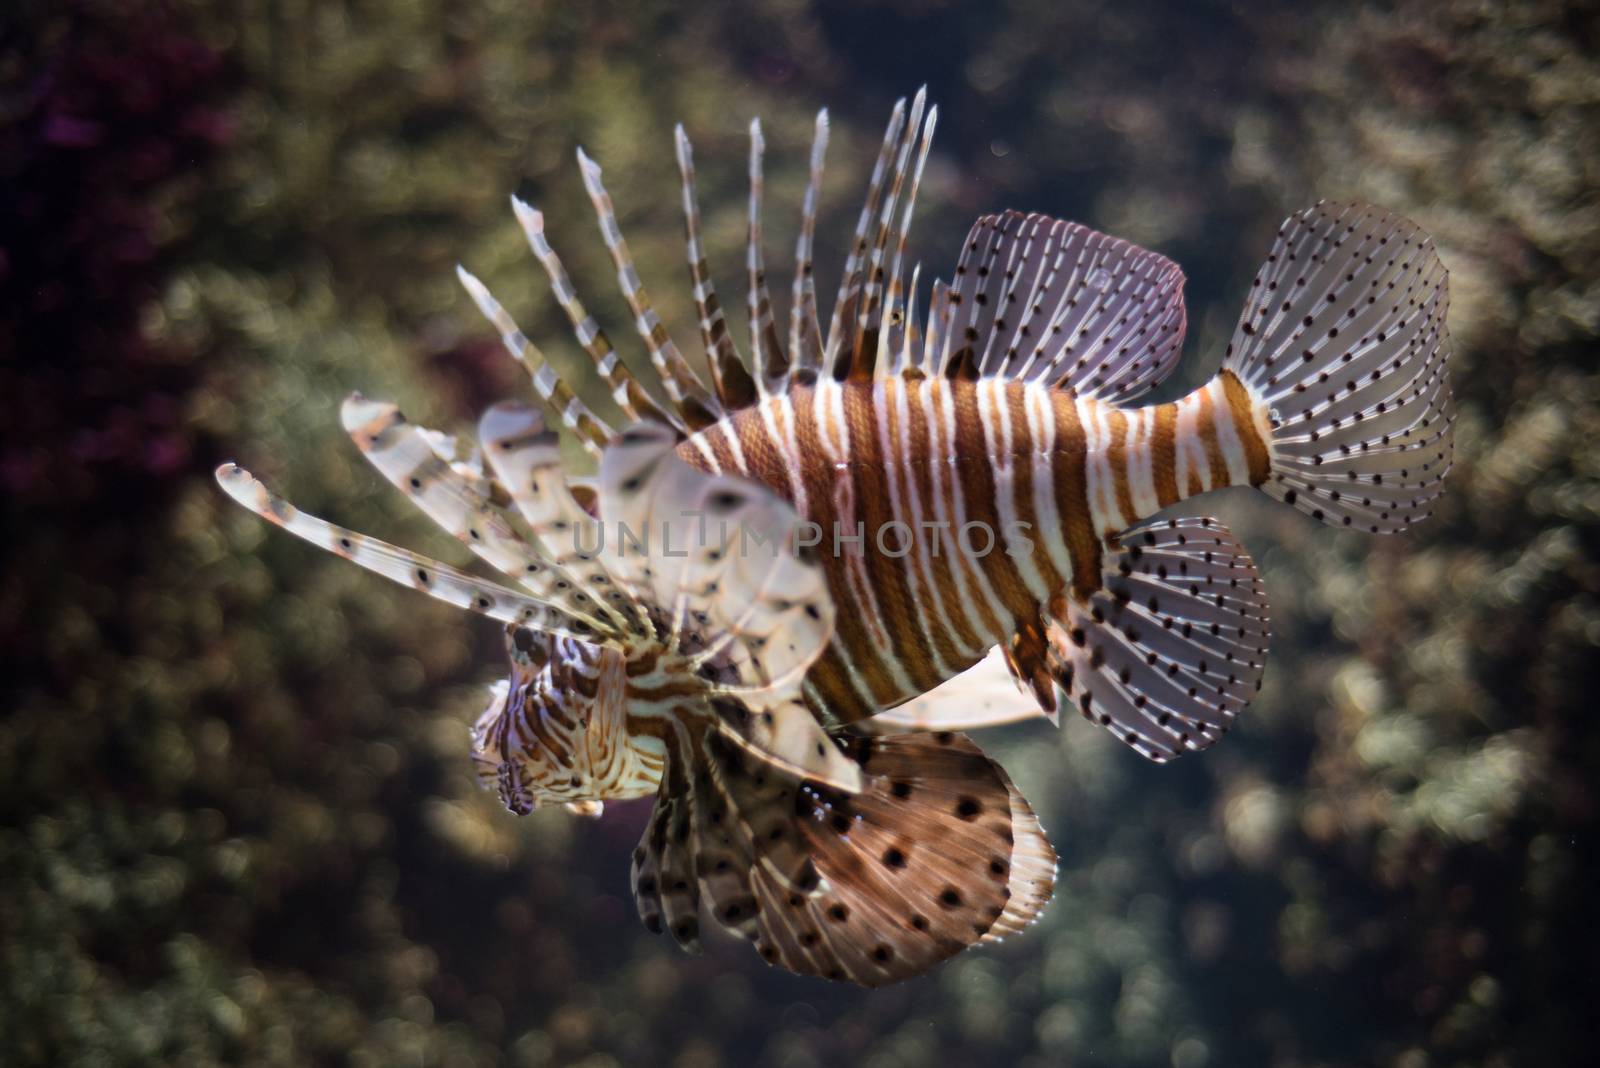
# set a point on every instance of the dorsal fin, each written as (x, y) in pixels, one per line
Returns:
(870, 332)
(936, 342)
(770, 363)
(1041, 299)
(626, 390)
(590, 429)
(694, 403)
(805, 331)
(898, 338)
(836, 350)
(867, 340)
(728, 374)
(904, 346)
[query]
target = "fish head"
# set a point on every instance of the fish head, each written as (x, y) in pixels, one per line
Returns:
(552, 724)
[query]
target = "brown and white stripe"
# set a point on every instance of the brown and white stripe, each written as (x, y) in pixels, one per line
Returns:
(1010, 492)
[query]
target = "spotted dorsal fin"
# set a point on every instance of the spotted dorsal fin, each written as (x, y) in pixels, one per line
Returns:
(900, 334)
(840, 342)
(857, 334)
(626, 390)
(1042, 300)
(770, 362)
(875, 309)
(871, 329)
(589, 428)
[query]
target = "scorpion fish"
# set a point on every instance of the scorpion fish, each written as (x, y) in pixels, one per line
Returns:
(924, 525)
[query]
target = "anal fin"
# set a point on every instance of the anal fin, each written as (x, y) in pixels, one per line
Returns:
(988, 694)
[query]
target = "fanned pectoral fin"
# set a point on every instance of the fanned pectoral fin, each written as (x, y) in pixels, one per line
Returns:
(526, 457)
(918, 866)
(1169, 651)
(937, 852)
(437, 580)
(456, 494)
(716, 558)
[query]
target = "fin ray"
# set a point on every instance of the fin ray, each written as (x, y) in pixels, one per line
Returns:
(836, 358)
(735, 388)
(695, 405)
(589, 428)
(805, 330)
(403, 453)
(771, 365)
(626, 390)
(440, 581)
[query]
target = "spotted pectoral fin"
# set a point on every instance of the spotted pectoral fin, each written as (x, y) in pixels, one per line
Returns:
(399, 565)
(988, 694)
(456, 493)
(764, 612)
(1170, 649)
(936, 852)
(526, 457)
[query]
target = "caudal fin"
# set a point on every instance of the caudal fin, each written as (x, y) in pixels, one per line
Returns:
(1344, 343)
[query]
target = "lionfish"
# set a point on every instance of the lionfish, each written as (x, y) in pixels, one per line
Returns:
(942, 523)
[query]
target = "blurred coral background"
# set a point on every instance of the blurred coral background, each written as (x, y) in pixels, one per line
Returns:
(237, 819)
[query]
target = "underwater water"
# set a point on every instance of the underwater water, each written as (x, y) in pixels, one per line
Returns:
(238, 823)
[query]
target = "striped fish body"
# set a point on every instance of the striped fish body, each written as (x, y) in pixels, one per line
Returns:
(951, 514)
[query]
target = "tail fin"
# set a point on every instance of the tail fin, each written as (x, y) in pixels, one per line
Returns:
(1344, 344)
